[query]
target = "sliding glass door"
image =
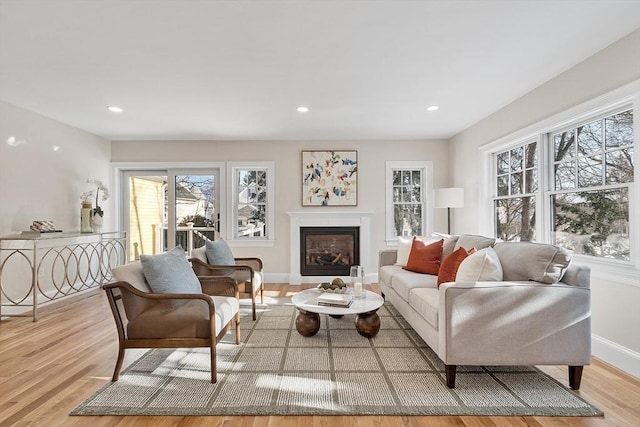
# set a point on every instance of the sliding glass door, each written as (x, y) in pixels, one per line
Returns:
(196, 208)
(165, 208)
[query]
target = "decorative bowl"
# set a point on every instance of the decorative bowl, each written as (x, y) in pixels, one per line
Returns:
(342, 290)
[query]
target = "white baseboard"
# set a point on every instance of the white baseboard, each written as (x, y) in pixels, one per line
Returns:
(614, 354)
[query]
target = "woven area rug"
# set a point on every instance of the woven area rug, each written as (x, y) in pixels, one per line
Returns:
(276, 371)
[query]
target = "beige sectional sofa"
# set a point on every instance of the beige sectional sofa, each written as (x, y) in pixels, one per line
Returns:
(538, 314)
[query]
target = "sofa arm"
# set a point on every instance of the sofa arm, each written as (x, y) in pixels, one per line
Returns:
(387, 257)
(514, 323)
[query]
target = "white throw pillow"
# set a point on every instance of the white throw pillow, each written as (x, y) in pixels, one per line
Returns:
(404, 248)
(483, 265)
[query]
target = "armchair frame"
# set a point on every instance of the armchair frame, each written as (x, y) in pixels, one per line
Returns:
(117, 291)
(248, 266)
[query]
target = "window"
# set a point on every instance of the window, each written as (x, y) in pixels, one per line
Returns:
(252, 205)
(407, 184)
(593, 170)
(516, 186)
(570, 185)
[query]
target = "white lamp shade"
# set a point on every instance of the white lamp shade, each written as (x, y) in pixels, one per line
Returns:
(448, 198)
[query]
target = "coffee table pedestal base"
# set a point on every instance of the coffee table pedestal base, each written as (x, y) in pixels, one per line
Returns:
(307, 324)
(368, 324)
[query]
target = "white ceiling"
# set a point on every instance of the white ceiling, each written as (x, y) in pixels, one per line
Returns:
(236, 70)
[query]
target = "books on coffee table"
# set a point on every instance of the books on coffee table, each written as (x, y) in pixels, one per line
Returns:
(335, 300)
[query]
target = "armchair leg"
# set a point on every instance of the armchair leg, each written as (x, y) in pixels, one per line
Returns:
(214, 367)
(116, 371)
(253, 305)
(450, 374)
(261, 297)
(575, 375)
(238, 328)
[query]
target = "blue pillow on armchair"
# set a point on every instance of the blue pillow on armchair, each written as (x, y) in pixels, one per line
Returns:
(219, 253)
(170, 273)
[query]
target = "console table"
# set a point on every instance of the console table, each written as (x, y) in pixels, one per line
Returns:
(36, 268)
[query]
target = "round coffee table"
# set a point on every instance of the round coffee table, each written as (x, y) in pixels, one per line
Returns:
(308, 320)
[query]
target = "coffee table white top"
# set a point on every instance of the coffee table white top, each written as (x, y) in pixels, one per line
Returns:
(307, 300)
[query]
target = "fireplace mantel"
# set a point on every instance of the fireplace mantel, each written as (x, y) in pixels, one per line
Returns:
(328, 218)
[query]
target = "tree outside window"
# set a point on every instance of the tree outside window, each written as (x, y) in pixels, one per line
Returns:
(593, 170)
(516, 184)
(407, 202)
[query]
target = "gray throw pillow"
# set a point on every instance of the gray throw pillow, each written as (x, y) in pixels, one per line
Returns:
(219, 253)
(170, 273)
(532, 261)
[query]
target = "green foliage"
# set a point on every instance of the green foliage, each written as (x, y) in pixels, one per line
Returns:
(198, 221)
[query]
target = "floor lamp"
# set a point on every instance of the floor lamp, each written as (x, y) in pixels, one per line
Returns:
(448, 198)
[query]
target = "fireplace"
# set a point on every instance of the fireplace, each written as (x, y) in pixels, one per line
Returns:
(328, 251)
(330, 218)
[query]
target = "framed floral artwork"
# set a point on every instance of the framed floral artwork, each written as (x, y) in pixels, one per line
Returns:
(329, 178)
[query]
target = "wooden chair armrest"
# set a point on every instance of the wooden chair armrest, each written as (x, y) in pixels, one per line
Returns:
(153, 296)
(204, 269)
(254, 263)
(219, 285)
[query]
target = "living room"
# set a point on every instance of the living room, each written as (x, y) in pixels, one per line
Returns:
(46, 158)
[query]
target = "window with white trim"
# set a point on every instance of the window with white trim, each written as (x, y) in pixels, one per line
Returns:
(592, 173)
(516, 187)
(408, 183)
(580, 178)
(252, 205)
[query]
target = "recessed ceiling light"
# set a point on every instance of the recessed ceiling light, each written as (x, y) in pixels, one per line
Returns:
(302, 109)
(55, 148)
(115, 109)
(432, 108)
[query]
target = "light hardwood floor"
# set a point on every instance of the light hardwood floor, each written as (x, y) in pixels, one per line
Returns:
(49, 367)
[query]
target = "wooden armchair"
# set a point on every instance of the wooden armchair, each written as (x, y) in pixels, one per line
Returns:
(247, 272)
(160, 320)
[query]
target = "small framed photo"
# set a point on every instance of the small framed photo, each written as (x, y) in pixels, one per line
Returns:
(330, 178)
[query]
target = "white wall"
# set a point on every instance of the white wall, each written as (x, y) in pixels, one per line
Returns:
(372, 156)
(615, 314)
(37, 183)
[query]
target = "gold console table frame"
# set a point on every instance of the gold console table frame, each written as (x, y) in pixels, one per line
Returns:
(74, 262)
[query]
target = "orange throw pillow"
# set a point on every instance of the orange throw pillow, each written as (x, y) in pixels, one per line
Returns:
(425, 258)
(449, 266)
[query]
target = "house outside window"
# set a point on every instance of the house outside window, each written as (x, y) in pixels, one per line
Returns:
(252, 205)
(408, 184)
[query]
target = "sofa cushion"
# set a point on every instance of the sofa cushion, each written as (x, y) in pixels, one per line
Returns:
(386, 272)
(448, 246)
(484, 265)
(449, 266)
(170, 273)
(133, 274)
(425, 301)
(532, 261)
(424, 258)
(186, 320)
(469, 241)
(219, 253)
(200, 254)
(403, 282)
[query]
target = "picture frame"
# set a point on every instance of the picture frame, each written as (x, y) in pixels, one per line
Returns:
(330, 178)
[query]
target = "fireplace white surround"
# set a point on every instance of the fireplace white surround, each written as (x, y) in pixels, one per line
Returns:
(327, 218)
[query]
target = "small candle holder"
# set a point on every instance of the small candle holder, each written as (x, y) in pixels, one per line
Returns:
(357, 281)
